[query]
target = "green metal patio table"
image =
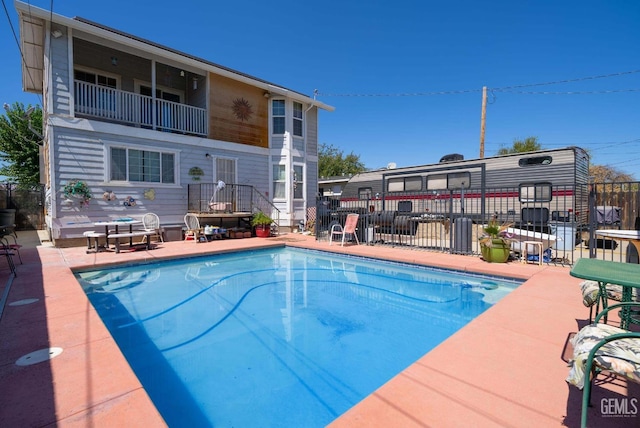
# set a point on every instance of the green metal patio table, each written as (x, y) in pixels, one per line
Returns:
(603, 271)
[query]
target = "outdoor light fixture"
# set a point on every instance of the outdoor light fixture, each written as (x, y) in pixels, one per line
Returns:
(208, 156)
(114, 61)
(56, 34)
(195, 83)
(267, 94)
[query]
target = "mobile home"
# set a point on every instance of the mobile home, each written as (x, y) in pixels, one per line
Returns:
(532, 187)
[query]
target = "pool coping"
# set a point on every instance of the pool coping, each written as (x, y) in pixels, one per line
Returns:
(480, 374)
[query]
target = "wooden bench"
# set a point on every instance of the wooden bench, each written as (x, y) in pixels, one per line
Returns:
(96, 236)
(116, 237)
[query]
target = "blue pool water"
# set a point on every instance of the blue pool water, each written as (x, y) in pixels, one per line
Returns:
(279, 337)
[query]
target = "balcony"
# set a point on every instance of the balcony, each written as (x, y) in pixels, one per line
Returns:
(113, 105)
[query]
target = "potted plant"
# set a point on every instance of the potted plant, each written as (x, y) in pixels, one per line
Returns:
(495, 245)
(262, 224)
(77, 189)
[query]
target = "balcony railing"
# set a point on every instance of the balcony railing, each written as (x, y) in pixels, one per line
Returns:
(138, 110)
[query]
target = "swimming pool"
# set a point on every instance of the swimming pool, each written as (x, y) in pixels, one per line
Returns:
(278, 337)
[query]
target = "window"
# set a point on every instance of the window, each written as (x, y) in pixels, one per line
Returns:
(437, 182)
(412, 184)
(395, 185)
(91, 100)
(142, 166)
(297, 119)
(365, 193)
(298, 182)
(278, 113)
(535, 192)
(538, 160)
(404, 184)
(458, 180)
(279, 182)
(96, 79)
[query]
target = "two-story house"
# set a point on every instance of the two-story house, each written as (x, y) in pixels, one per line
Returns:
(136, 123)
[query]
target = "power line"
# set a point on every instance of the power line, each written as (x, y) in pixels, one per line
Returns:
(614, 144)
(578, 79)
(411, 94)
(634, 160)
(601, 145)
(502, 89)
(565, 93)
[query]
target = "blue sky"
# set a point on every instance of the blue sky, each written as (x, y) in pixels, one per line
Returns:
(406, 77)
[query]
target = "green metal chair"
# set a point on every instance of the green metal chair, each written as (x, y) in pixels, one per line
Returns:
(599, 347)
(591, 295)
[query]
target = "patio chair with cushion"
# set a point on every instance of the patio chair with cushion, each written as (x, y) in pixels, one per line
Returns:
(151, 223)
(349, 228)
(194, 232)
(591, 295)
(601, 347)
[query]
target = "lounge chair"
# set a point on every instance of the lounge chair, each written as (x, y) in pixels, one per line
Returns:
(151, 223)
(601, 347)
(194, 231)
(349, 228)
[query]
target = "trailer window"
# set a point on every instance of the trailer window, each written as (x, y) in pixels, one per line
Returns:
(404, 184)
(436, 182)
(458, 180)
(535, 192)
(413, 183)
(395, 185)
(535, 160)
(365, 193)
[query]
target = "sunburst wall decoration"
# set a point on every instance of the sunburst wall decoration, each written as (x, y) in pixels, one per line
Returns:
(242, 109)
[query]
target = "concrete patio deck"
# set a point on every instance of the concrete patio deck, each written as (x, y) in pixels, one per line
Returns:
(505, 369)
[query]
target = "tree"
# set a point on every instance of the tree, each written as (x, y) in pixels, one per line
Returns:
(20, 136)
(332, 162)
(529, 144)
(608, 174)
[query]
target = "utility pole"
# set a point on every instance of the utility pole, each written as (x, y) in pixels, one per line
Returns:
(483, 120)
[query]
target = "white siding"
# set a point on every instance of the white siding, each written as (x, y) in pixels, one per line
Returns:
(61, 84)
(80, 155)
